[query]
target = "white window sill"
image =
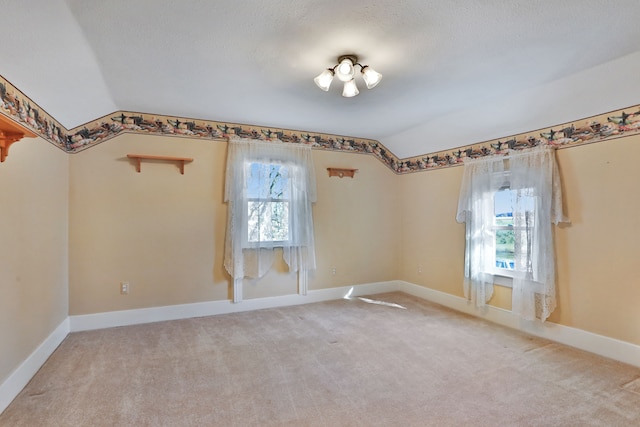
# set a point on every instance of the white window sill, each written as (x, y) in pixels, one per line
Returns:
(266, 245)
(505, 281)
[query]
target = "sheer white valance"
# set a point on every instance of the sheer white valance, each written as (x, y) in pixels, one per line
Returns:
(269, 188)
(534, 183)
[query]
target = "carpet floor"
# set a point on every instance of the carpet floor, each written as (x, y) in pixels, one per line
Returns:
(391, 360)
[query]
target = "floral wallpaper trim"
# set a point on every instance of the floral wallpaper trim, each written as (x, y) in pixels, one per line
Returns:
(607, 126)
(17, 106)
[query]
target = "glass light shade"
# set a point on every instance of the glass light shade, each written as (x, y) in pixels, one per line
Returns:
(350, 89)
(345, 70)
(371, 77)
(324, 79)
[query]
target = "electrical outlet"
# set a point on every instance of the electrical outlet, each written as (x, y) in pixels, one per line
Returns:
(124, 288)
(333, 271)
(419, 269)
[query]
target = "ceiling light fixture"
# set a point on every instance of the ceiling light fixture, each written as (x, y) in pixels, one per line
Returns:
(345, 70)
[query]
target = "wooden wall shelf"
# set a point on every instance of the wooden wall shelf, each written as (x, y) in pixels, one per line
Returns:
(180, 160)
(11, 132)
(341, 172)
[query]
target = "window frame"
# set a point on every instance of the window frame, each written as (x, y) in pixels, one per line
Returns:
(246, 243)
(502, 276)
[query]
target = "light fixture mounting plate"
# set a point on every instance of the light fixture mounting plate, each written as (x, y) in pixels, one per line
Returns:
(352, 58)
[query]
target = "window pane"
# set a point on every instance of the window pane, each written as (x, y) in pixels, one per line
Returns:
(505, 249)
(504, 201)
(268, 181)
(268, 221)
(268, 191)
(503, 207)
(505, 239)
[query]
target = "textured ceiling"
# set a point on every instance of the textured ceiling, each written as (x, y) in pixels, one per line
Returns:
(455, 72)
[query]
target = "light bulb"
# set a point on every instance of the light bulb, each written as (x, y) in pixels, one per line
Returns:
(345, 70)
(324, 79)
(371, 77)
(350, 89)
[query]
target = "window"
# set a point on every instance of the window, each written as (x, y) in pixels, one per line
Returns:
(508, 204)
(268, 200)
(505, 227)
(508, 229)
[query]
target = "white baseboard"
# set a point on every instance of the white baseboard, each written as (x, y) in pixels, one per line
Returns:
(19, 378)
(185, 311)
(598, 344)
(611, 348)
(594, 343)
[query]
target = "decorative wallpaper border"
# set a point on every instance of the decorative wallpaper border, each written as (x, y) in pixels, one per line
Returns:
(603, 127)
(17, 106)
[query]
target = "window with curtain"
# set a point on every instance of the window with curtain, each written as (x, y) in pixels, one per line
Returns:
(269, 189)
(508, 204)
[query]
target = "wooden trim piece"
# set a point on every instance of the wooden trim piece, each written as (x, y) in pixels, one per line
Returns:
(180, 160)
(11, 132)
(341, 172)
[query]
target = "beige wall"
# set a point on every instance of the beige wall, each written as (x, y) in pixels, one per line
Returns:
(90, 221)
(164, 232)
(158, 230)
(33, 248)
(598, 281)
(598, 286)
(432, 243)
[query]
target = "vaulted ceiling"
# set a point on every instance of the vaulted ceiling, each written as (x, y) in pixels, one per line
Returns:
(455, 72)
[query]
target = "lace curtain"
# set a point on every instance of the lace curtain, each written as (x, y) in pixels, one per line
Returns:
(533, 178)
(269, 188)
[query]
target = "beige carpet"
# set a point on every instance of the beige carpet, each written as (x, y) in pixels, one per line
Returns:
(338, 363)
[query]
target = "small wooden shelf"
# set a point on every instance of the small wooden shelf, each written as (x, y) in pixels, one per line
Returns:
(180, 160)
(342, 172)
(11, 132)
